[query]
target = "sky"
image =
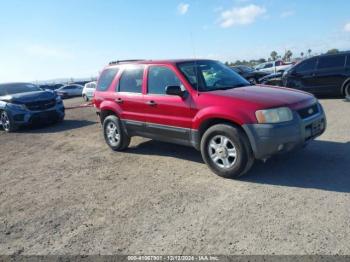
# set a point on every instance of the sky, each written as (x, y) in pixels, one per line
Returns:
(49, 39)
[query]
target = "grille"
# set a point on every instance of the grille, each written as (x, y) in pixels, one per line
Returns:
(308, 111)
(41, 105)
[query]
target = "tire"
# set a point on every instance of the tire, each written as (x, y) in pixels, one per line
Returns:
(227, 151)
(86, 99)
(347, 91)
(252, 80)
(114, 134)
(7, 123)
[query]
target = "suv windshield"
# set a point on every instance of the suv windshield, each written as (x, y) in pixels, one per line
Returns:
(10, 89)
(211, 76)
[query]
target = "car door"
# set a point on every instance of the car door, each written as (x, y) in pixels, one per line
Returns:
(330, 74)
(302, 76)
(129, 97)
(169, 117)
(91, 89)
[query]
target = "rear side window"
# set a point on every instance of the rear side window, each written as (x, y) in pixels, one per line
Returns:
(106, 78)
(159, 77)
(331, 61)
(307, 65)
(131, 80)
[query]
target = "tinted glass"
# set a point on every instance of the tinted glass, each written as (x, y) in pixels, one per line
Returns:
(268, 65)
(131, 80)
(106, 78)
(159, 78)
(236, 69)
(246, 69)
(307, 65)
(209, 75)
(331, 61)
(278, 63)
(9, 89)
(348, 61)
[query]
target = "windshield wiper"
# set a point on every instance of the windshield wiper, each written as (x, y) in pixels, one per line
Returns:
(229, 87)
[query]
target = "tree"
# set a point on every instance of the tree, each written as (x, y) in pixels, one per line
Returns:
(333, 51)
(274, 55)
(287, 55)
(261, 60)
(309, 51)
(302, 54)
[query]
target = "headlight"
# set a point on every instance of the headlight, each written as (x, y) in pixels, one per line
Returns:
(275, 115)
(58, 99)
(17, 106)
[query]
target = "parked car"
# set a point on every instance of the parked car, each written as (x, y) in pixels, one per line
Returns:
(273, 66)
(70, 90)
(89, 90)
(204, 104)
(50, 86)
(274, 79)
(249, 73)
(321, 75)
(24, 103)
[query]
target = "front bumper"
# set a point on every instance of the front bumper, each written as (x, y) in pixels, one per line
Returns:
(270, 139)
(22, 117)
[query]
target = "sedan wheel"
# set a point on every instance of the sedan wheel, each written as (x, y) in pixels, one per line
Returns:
(6, 122)
(252, 81)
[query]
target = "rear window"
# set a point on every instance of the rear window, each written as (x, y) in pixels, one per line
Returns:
(106, 78)
(331, 61)
(307, 65)
(131, 80)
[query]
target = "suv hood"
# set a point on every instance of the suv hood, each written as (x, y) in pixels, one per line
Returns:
(28, 97)
(268, 96)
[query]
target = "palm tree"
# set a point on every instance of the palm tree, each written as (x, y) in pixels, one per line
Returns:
(274, 55)
(309, 51)
(302, 54)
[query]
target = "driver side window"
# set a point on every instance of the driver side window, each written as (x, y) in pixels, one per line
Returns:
(159, 77)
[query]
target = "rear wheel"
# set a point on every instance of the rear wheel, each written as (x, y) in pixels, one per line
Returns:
(115, 136)
(86, 99)
(347, 91)
(6, 122)
(226, 150)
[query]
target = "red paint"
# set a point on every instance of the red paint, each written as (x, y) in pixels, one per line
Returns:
(236, 105)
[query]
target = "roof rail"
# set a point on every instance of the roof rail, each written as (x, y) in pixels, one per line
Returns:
(125, 61)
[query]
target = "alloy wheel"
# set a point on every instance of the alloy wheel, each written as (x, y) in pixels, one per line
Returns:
(5, 121)
(222, 151)
(112, 134)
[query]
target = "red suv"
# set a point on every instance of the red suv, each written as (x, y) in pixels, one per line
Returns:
(204, 104)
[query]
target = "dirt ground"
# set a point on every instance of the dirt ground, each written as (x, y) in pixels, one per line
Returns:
(63, 191)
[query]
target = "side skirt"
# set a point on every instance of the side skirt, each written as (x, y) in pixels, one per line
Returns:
(164, 133)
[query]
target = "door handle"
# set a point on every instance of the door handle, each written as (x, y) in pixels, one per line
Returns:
(119, 101)
(151, 103)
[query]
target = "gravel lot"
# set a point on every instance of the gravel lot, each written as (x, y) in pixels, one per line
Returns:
(64, 192)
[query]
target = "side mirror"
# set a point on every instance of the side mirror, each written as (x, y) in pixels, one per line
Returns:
(174, 91)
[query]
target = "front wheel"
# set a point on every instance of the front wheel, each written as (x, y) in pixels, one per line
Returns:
(226, 150)
(6, 122)
(252, 80)
(115, 136)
